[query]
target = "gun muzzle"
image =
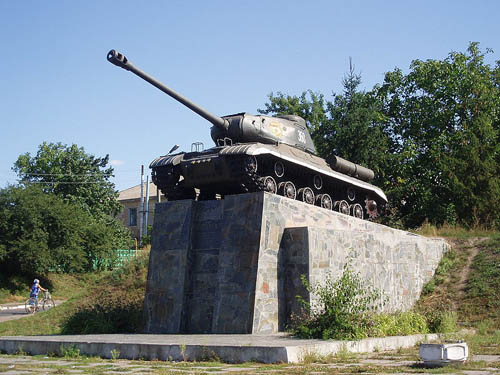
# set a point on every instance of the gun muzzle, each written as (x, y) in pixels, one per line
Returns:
(116, 58)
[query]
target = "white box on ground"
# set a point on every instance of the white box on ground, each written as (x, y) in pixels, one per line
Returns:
(442, 354)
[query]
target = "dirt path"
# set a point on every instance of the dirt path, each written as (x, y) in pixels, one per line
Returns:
(471, 246)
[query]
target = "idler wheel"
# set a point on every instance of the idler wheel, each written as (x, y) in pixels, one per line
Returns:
(357, 211)
(287, 189)
(306, 195)
(371, 208)
(325, 201)
(342, 207)
(270, 184)
(251, 164)
(279, 169)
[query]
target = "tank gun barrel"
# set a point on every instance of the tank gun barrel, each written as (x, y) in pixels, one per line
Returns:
(120, 60)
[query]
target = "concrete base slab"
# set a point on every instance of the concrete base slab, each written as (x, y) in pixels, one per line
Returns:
(277, 348)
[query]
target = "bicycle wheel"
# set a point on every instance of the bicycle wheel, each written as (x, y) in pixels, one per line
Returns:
(30, 306)
(48, 304)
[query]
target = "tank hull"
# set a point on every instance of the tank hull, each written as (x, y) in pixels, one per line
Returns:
(279, 169)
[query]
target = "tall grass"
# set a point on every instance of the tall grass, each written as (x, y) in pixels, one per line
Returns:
(453, 231)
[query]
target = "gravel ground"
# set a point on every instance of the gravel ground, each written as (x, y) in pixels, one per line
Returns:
(378, 363)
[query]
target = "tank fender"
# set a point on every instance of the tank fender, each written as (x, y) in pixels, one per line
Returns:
(167, 160)
(261, 149)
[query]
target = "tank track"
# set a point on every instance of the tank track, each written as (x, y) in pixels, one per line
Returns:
(254, 174)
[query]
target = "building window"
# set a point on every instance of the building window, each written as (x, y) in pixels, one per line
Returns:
(132, 217)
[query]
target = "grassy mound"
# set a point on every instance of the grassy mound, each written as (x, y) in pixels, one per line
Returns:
(467, 282)
(110, 302)
(114, 307)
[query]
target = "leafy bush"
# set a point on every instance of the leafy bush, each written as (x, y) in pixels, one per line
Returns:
(41, 232)
(341, 309)
(442, 321)
(399, 324)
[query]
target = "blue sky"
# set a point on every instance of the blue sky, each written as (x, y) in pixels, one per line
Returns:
(56, 85)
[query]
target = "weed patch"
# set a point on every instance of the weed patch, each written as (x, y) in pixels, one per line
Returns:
(399, 324)
(340, 310)
(69, 351)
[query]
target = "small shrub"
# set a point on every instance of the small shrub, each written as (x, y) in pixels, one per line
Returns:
(429, 287)
(115, 354)
(20, 351)
(70, 351)
(344, 355)
(399, 324)
(442, 322)
(341, 309)
(311, 356)
(485, 326)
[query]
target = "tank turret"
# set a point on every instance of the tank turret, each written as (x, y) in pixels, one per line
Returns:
(240, 127)
(260, 153)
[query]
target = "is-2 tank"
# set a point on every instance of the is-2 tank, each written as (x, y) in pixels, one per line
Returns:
(260, 153)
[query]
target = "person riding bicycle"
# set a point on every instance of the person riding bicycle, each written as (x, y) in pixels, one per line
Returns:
(35, 289)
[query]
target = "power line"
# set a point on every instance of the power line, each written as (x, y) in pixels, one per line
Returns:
(68, 174)
(64, 182)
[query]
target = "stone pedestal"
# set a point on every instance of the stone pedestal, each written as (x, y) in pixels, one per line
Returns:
(234, 265)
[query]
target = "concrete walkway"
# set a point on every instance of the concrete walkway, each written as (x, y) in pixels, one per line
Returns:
(279, 348)
(12, 306)
(15, 310)
(20, 305)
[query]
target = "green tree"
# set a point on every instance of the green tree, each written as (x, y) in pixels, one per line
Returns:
(443, 117)
(349, 126)
(68, 171)
(354, 130)
(42, 232)
(309, 105)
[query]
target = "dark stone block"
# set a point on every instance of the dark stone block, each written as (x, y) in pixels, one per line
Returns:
(234, 265)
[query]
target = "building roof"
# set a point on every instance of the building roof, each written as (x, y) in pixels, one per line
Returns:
(134, 192)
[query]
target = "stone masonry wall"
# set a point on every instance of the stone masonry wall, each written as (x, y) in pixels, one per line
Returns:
(234, 265)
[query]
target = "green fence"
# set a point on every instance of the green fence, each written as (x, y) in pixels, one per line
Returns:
(122, 257)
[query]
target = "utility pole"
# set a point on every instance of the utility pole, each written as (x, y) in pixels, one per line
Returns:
(146, 209)
(141, 205)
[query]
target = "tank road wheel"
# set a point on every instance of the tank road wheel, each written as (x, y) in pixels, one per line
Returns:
(342, 207)
(306, 195)
(351, 194)
(279, 169)
(357, 211)
(371, 208)
(317, 182)
(269, 184)
(287, 189)
(250, 164)
(325, 201)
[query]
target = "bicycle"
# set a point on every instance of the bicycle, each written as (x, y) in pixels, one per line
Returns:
(32, 306)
